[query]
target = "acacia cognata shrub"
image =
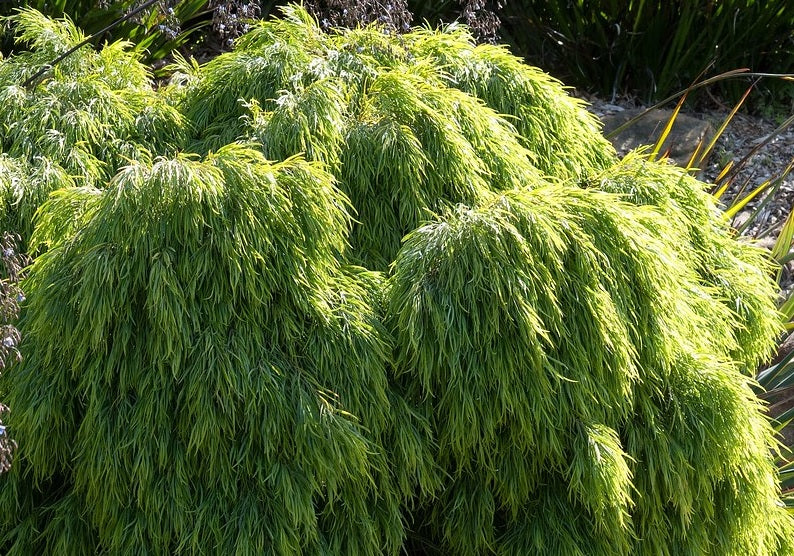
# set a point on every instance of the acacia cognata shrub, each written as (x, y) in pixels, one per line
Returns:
(77, 124)
(583, 400)
(553, 360)
(210, 336)
(404, 129)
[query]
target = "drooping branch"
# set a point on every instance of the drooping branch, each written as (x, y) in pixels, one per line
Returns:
(36, 77)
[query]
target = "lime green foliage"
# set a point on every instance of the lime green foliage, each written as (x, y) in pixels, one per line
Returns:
(722, 263)
(155, 32)
(535, 368)
(573, 368)
(387, 118)
(214, 341)
(92, 112)
(555, 126)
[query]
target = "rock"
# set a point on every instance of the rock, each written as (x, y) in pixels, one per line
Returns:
(767, 242)
(684, 138)
(741, 219)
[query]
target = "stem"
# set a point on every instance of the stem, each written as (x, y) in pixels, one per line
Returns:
(36, 77)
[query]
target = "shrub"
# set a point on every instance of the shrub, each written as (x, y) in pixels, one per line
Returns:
(577, 400)
(395, 116)
(87, 117)
(213, 316)
(542, 350)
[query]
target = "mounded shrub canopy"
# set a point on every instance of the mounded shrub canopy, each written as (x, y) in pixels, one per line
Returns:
(722, 263)
(408, 126)
(401, 297)
(204, 317)
(574, 370)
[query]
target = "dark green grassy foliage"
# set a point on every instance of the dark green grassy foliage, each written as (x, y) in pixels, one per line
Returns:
(545, 368)
(654, 48)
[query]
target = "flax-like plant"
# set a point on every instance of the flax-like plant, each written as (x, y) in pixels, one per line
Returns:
(653, 48)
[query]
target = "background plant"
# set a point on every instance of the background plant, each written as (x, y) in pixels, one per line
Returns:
(162, 28)
(653, 49)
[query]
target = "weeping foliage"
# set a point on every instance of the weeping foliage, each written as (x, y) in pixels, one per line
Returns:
(574, 368)
(402, 299)
(90, 113)
(404, 160)
(388, 120)
(721, 262)
(206, 331)
(555, 126)
(24, 186)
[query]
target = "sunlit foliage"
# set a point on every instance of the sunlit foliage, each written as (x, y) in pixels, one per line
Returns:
(728, 266)
(207, 332)
(90, 113)
(574, 369)
(398, 116)
(401, 297)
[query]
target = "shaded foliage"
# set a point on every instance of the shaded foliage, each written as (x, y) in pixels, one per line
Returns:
(482, 17)
(10, 298)
(654, 49)
(230, 18)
